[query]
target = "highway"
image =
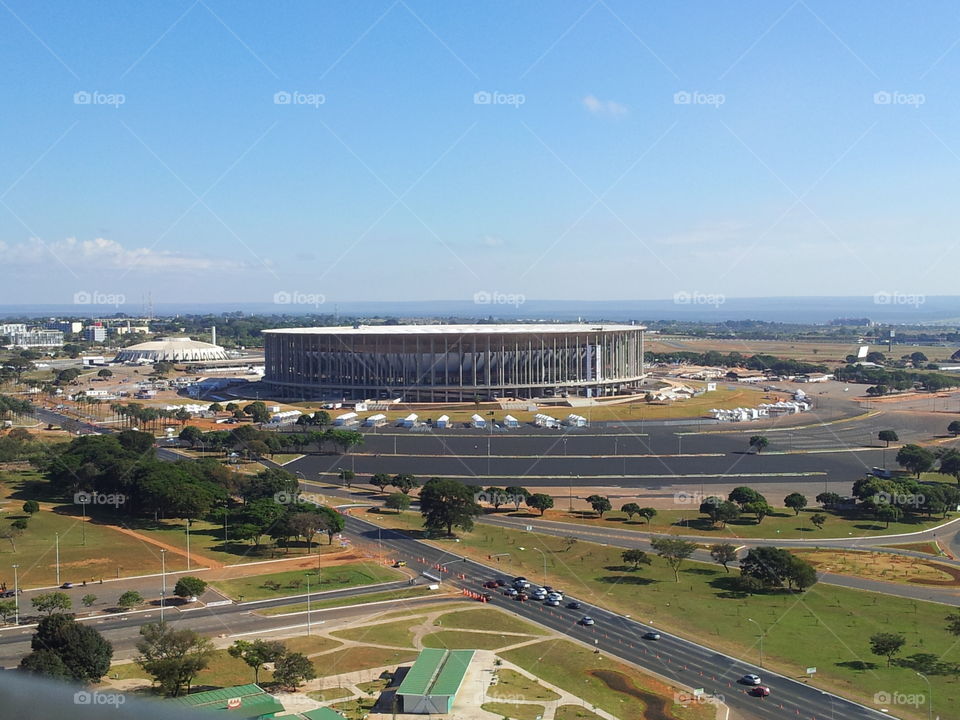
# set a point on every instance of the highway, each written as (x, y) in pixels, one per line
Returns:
(679, 660)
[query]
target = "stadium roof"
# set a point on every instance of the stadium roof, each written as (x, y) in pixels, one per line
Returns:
(518, 328)
(436, 672)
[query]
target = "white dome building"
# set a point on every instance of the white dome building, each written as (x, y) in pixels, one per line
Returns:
(171, 349)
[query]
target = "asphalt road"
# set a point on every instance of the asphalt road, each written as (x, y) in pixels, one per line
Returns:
(679, 660)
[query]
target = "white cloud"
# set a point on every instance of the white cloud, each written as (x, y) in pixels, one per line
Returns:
(104, 254)
(604, 107)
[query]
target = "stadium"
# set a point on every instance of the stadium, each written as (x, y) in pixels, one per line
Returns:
(453, 363)
(170, 349)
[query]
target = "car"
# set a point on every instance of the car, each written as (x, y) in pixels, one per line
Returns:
(486, 597)
(66, 586)
(540, 594)
(552, 603)
(400, 563)
(548, 588)
(587, 620)
(511, 592)
(500, 582)
(574, 605)
(554, 596)
(751, 679)
(521, 584)
(491, 584)
(651, 635)
(522, 597)
(760, 691)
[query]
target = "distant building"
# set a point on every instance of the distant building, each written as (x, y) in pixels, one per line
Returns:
(95, 333)
(67, 327)
(37, 339)
(9, 329)
(171, 349)
(129, 329)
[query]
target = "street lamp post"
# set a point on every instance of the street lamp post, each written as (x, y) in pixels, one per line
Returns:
(544, 562)
(16, 595)
(188, 543)
(58, 558)
(929, 696)
(761, 638)
(163, 575)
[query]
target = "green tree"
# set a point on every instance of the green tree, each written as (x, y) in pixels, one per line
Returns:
(888, 436)
(674, 551)
(600, 504)
(796, 502)
(347, 477)
(889, 514)
(723, 553)
(83, 650)
(518, 494)
(768, 564)
(950, 463)
(759, 442)
(953, 624)
(630, 509)
(8, 609)
(818, 519)
(129, 599)
(758, 508)
(191, 434)
(189, 586)
(720, 510)
(88, 600)
(380, 480)
(914, 458)
(331, 522)
(648, 514)
(540, 501)
(51, 602)
(398, 502)
(954, 428)
(743, 495)
(446, 504)
(31, 506)
(256, 653)
(636, 557)
(887, 645)
(172, 657)
(292, 670)
(45, 663)
(404, 482)
(496, 496)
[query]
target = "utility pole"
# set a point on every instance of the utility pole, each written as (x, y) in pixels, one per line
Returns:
(761, 638)
(16, 594)
(188, 543)
(163, 574)
(58, 558)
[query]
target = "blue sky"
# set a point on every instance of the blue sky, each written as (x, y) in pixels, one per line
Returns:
(628, 150)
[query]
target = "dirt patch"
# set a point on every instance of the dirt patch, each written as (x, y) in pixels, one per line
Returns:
(656, 707)
(883, 566)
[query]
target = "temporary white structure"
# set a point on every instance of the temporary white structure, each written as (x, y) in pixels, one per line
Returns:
(443, 421)
(511, 422)
(350, 418)
(376, 420)
(477, 421)
(575, 420)
(545, 420)
(409, 421)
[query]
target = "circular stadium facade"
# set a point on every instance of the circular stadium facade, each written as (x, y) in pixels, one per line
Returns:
(439, 363)
(171, 349)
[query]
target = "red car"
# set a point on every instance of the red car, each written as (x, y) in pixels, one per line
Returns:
(760, 691)
(522, 597)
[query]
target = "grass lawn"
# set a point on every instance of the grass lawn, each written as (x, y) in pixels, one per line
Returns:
(404, 594)
(783, 523)
(487, 619)
(421, 610)
(515, 711)
(310, 644)
(511, 684)
(572, 667)
(574, 712)
(329, 694)
(360, 658)
(375, 686)
(396, 633)
(466, 640)
(223, 671)
(356, 708)
(827, 626)
(929, 548)
(294, 581)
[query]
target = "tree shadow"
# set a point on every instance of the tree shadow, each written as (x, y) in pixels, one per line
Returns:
(700, 571)
(804, 529)
(626, 580)
(858, 665)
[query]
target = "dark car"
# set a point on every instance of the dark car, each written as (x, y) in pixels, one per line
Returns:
(512, 592)
(491, 584)
(651, 635)
(487, 597)
(521, 596)
(66, 586)
(574, 605)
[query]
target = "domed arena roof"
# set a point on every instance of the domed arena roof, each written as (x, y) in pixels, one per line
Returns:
(171, 349)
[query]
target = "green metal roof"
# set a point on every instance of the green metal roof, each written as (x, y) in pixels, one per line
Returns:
(223, 694)
(436, 672)
(322, 714)
(255, 702)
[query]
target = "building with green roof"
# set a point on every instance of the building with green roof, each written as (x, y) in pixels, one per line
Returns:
(322, 714)
(242, 702)
(431, 685)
